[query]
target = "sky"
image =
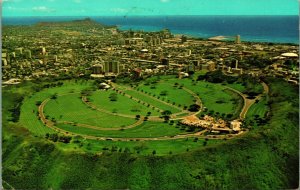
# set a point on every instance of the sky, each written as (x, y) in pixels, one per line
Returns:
(147, 7)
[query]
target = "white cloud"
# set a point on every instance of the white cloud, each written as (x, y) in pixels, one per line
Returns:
(43, 9)
(164, 1)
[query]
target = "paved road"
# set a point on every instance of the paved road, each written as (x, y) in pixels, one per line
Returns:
(249, 102)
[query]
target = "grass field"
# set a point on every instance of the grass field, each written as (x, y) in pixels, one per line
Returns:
(172, 94)
(213, 96)
(71, 108)
(162, 147)
(152, 101)
(266, 157)
(68, 106)
(29, 109)
(123, 104)
(147, 129)
(260, 108)
(237, 86)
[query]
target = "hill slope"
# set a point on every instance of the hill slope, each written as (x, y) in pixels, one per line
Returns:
(265, 158)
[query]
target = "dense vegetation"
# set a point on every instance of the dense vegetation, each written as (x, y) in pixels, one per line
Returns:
(265, 158)
(251, 84)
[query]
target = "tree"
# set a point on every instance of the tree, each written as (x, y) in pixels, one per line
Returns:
(127, 150)
(166, 112)
(54, 96)
(163, 93)
(38, 103)
(194, 108)
(113, 97)
(166, 115)
(153, 152)
(229, 116)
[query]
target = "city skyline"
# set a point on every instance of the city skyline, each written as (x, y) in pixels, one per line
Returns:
(12, 8)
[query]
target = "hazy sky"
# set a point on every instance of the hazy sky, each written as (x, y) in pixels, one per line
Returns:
(147, 7)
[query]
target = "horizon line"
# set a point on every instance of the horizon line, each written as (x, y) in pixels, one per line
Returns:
(3, 16)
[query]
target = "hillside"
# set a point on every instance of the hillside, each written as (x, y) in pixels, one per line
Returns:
(85, 22)
(265, 158)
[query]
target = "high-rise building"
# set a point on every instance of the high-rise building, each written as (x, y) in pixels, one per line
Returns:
(183, 38)
(19, 50)
(115, 67)
(164, 61)
(112, 67)
(43, 51)
(236, 64)
(189, 52)
(238, 39)
(28, 54)
(4, 62)
(97, 69)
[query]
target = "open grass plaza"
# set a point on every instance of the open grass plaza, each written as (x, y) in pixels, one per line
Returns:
(159, 110)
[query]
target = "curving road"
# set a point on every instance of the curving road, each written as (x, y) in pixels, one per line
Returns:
(249, 102)
(247, 105)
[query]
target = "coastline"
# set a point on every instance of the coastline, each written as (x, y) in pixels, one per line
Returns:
(227, 26)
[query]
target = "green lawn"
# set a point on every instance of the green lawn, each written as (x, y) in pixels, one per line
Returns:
(213, 96)
(142, 147)
(28, 116)
(237, 86)
(151, 101)
(147, 129)
(71, 108)
(123, 104)
(266, 157)
(173, 94)
(260, 108)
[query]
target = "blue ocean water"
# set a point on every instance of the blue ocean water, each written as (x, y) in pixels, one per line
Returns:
(278, 29)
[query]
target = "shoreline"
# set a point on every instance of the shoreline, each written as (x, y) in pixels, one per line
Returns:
(189, 32)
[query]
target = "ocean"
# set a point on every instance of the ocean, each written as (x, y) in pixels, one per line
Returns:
(276, 29)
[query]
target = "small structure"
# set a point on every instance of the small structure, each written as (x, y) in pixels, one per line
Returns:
(235, 125)
(182, 75)
(290, 55)
(104, 86)
(214, 126)
(238, 39)
(12, 81)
